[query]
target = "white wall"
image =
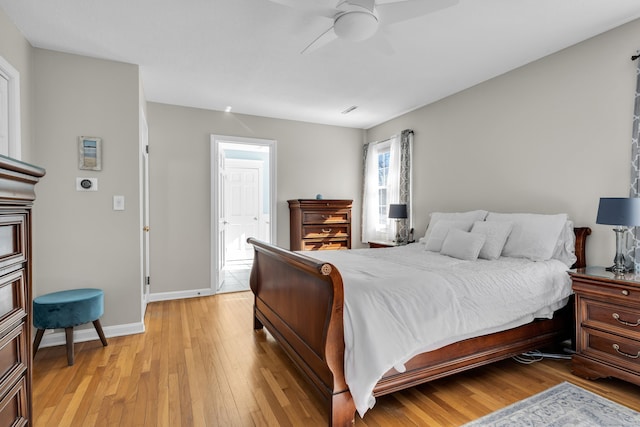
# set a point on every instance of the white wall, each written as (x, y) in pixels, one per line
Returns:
(553, 136)
(79, 240)
(311, 159)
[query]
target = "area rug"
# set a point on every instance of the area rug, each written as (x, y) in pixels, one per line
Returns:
(561, 406)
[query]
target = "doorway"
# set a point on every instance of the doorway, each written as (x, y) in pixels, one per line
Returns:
(242, 206)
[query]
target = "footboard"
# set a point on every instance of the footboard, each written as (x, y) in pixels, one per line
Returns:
(300, 300)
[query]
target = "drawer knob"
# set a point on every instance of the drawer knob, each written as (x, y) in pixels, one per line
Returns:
(617, 317)
(625, 292)
(616, 347)
(326, 231)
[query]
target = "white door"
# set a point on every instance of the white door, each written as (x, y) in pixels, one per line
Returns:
(236, 211)
(243, 207)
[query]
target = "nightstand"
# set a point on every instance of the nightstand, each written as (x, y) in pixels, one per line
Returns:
(607, 324)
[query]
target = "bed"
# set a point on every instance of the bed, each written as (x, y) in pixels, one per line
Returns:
(300, 300)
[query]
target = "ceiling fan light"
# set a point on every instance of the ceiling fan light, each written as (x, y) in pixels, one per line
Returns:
(355, 26)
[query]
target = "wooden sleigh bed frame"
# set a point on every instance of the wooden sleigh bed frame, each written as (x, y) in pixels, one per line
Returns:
(300, 300)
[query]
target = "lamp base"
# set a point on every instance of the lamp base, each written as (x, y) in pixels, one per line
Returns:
(619, 261)
(623, 270)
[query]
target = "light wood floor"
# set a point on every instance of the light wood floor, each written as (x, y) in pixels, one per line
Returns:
(201, 364)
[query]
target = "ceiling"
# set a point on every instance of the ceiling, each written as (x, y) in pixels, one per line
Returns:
(246, 53)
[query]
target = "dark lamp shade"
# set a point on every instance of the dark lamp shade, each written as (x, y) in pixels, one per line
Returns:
(619, 211)
(397, 211)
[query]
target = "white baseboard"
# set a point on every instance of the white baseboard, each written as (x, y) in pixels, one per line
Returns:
(51, 337)
(166, 296)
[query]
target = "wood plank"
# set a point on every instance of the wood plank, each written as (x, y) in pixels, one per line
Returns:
(201, 363)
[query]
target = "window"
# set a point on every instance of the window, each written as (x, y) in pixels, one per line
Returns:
(384, 153)
(387, 179)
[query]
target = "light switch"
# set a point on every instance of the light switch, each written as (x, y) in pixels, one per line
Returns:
(118, 203)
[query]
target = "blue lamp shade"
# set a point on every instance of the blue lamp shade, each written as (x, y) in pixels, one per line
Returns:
(397, 211)
(619, 211)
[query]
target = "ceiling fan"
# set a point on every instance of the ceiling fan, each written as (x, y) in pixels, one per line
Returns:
(358, 20)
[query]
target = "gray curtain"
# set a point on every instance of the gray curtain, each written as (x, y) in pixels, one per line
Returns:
(633, 235)
(406, 148)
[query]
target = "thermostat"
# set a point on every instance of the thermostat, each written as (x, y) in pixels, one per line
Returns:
(87, 184)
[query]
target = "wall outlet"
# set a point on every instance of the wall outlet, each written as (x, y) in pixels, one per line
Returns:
(86, 184)
(118, 203)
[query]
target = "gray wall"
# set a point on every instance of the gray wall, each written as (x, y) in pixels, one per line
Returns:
(553, 136)
(311, 159)
(79, 240)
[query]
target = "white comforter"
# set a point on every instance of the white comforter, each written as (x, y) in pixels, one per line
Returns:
(399, 302)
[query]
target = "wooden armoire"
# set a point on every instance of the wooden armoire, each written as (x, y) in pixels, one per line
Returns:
(17, 193)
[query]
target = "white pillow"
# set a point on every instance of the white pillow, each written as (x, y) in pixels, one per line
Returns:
(565, 250)
(534, 236)
(440, 231)
(470, 217)
(496, 233)
(462, 244)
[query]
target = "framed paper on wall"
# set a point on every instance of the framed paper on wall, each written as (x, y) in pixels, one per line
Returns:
(90, 153)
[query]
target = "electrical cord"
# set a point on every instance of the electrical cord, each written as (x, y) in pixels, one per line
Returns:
(536, 356)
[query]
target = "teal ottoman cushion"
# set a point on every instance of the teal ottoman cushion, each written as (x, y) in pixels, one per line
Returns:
(65, 309)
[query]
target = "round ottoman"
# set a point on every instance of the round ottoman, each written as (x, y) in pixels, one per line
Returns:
(66, 309)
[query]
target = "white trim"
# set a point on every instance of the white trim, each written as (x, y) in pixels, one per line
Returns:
(168, 296)
(15, 150)
(90, 334)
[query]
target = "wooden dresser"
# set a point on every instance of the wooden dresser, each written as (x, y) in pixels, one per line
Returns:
(607, 324)
(17, 181)
(320, 224)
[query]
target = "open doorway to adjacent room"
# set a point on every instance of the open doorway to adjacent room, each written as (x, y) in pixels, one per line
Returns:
(242, 206)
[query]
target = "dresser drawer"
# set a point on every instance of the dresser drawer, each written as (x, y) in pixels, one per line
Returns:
(325, 217)
(322, 231)
(613, 349)
(12, 240)
(324, 245)
(613, 318)
(13, 350)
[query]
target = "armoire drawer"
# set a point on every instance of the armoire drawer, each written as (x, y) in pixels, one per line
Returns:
(14, 406)
(324, 245)
(322, 231)
(12, 240)
(13, 301)
(327, 217)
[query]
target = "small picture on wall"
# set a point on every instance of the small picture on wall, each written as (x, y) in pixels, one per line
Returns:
(90, 153)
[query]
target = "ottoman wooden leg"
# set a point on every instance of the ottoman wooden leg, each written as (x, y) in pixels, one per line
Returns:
(98, 326)
(36, 343)
(69, 333)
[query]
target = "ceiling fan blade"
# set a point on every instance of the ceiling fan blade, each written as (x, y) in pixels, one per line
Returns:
(308, 6)
(390, 13)
(322, 40)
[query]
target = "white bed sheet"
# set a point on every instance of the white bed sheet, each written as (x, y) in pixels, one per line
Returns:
(399, 302)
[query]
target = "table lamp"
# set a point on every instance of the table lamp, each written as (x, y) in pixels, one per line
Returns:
(623, 213)
(397, 212)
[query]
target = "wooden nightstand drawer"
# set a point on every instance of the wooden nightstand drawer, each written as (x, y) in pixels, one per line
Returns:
(327, 217)
(321, 231)
(613, 349)
(613, 318)
(618, 291)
